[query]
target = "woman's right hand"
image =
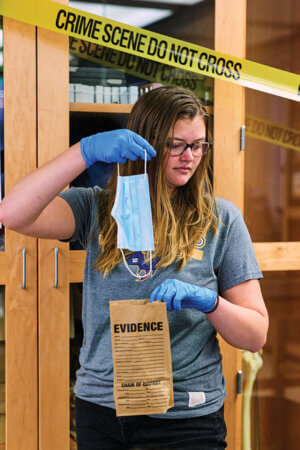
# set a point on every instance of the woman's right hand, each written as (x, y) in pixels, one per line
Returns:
(115, 146)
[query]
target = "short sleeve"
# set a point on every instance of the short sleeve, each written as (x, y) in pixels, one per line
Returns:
(238, 262)
(84, 204)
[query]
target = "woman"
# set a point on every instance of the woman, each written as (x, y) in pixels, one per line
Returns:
(202, 249)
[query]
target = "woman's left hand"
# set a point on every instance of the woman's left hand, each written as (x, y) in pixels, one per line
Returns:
(177, 295)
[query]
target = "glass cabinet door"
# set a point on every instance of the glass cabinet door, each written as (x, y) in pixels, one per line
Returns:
(272, 213)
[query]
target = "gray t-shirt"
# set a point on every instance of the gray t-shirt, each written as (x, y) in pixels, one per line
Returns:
(220, 261)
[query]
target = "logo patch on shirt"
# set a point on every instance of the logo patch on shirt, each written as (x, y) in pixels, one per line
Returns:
(196, 398)
(197, 252)
(138, 261)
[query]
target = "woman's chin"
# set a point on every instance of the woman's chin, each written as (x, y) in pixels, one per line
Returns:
(179, 181)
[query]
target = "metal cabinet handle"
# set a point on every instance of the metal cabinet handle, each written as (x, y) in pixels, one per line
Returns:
(23, 285)
(55, 267)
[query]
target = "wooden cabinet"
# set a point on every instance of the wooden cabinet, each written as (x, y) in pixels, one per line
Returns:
(36, 96)
(36, 128)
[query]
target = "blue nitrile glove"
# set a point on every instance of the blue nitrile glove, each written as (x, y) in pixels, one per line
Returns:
(177, 294)
(115, 147)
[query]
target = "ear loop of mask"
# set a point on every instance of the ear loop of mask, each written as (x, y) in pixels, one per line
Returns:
(124, 259)
(134, 274)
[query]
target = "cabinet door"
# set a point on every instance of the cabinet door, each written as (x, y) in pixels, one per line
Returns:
(272, 212)
(18, 254)
(53, 256)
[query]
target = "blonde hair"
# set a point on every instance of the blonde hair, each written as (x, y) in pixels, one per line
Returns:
(178, 222)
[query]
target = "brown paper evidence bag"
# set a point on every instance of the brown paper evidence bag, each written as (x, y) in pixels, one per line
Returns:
(142, 363)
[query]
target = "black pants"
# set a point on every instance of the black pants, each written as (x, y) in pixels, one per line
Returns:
(98, 428)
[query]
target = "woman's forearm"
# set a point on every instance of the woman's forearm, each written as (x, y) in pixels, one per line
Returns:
(241, 327)
(27, 199)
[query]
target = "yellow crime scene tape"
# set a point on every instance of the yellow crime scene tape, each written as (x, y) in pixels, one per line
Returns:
(155, 72)
(157, 47)
(151, 71)
(272, 132)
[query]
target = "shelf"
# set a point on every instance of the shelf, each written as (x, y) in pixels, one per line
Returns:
(117, 108)
(101, 107)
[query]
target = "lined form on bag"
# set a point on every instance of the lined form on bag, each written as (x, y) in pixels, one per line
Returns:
(141, 357)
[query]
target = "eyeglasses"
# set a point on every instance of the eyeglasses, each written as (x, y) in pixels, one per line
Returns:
(177, 148)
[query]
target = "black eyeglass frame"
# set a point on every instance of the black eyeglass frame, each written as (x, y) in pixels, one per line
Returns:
(203, 153)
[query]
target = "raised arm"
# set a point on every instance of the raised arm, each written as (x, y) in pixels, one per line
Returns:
(32, 206)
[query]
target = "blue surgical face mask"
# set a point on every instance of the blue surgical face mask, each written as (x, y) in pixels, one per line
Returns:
(132, 212)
